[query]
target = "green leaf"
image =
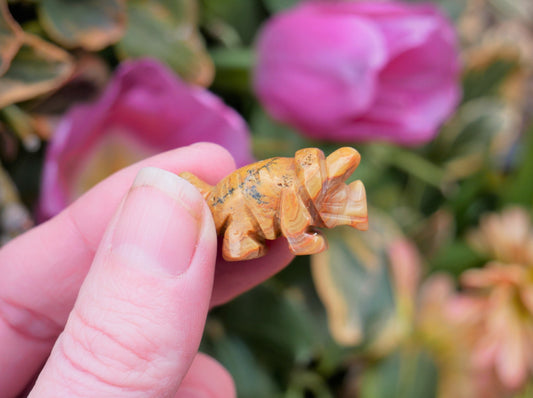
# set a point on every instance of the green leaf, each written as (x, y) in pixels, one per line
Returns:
(240, 17)
(408, 373)
(479, 137)
(10, 37)
(480, 121)
(251, 379)
(279, 5)
(233, 66)
(274, 323)
(455, 258)
(453, 8)
(167, 30)
(90, 24)
(410, 162)
(485, 82)
(521, 9)
(354, 282)
(38, 68)
(519, 186)
(328, 356)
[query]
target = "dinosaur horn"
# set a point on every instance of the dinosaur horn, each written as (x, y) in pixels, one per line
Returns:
(342, 163)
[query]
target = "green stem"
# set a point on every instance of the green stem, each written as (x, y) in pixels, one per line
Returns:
(412, 163)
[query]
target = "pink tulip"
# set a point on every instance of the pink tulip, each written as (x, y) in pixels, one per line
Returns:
(359, 71)
(145, 109)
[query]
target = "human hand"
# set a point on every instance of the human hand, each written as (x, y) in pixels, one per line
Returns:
(135, 326)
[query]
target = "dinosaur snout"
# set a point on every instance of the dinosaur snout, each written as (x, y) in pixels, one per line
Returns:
(346, 206)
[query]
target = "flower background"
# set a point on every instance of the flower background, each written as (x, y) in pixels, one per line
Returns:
(436, 299)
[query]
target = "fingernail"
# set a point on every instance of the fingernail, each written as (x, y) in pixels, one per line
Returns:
(159, 222)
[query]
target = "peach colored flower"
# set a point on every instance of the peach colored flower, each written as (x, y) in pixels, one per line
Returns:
(505, 286)
(506, 237)
(506, 344)
(431, 314)
(449, 324)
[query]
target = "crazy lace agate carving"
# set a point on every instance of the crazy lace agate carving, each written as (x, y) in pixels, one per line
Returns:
(285, 196)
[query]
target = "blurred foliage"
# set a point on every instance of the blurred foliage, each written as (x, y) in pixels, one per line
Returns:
(352, 278)
(274, 339)
(167, 30)
(409, 373)
(89, 24)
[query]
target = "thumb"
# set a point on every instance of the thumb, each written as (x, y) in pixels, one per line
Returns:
(139, 316)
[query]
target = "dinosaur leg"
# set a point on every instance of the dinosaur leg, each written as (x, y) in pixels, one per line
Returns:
(295, 222)
(241, 241)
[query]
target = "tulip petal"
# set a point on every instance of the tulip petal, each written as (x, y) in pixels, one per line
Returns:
(302, 61)
(304, 56)
(145, 109)
(417, 91)
(405, 28)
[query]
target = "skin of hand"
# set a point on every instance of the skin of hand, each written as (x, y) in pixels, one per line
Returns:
(113, 293)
